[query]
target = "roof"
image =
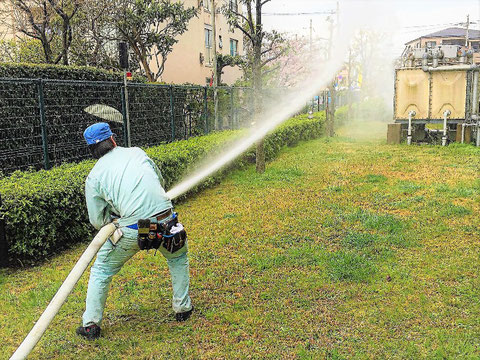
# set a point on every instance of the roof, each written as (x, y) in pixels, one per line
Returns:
(452, 32)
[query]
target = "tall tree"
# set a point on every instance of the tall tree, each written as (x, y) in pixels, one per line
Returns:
(95, 38)
(368, 52)
(262, 48)
(294, 66)
(66, 10)
(151, 27)
(48, 21)
(330, 116)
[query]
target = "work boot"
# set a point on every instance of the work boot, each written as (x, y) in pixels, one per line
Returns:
(183, 316)
(91, 332)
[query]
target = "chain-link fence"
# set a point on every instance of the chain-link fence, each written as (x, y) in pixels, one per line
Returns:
(42, 121)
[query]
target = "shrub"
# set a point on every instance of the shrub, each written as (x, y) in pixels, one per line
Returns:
(45, 211)
(59, 72)
(22, 50)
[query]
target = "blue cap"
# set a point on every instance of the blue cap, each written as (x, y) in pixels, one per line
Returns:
(96, 133)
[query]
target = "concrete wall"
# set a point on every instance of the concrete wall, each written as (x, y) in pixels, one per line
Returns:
(183, 63)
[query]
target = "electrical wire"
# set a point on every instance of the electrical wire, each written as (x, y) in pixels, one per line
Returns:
(329, 12)
(430, 25)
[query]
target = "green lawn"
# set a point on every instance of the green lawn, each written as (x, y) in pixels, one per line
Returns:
(342, 249)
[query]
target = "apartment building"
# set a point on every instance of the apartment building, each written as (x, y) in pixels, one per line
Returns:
(191, 60)
(450, 36)
(7, 23)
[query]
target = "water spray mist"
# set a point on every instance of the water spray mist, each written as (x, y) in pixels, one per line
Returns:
(273, 118)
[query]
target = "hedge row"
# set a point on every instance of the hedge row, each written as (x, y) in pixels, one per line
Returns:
(60, 72)
(45, 211)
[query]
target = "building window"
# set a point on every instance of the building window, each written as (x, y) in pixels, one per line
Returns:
(233, 47)
(460, 42)
(207, 5)
(208, 44)
(220, 42)
(431, 44)
(232, 5)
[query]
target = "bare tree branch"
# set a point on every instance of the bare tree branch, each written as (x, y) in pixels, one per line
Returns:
(275, 57)
(266, 72)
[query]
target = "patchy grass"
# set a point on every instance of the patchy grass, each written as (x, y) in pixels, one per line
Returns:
(344, 248)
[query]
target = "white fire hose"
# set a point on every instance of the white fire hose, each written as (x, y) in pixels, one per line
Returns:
(52, 309)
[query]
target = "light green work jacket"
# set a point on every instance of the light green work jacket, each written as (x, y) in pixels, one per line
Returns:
(125, 182)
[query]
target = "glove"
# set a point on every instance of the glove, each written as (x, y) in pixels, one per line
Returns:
(176, 229)
(176, 239)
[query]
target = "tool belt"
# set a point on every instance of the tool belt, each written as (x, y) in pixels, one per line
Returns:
(171, 235)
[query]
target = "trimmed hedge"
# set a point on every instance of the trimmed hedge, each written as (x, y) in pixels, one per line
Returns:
(45, 211)
(60, 72)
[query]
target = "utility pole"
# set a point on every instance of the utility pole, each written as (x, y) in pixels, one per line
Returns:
(338, 19)
(123, 59)
(467, 35)
(215, 75)
(311, 36)
(330, 38)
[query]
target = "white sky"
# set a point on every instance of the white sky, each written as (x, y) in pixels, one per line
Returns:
(404, 19)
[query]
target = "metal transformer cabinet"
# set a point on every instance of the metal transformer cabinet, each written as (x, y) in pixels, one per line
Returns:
(444, 92)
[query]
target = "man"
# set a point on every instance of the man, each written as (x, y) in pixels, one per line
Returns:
(126, 183)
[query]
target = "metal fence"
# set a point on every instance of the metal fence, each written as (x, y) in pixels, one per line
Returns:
(3, 238)
(42, 121)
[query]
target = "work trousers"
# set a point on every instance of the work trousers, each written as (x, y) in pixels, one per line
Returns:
(110, 260)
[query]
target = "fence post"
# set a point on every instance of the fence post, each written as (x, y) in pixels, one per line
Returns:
(126, 116)
(124, 113)
(205, 108)
(3, 238)
(231, 107)
(172, 113)
(43, 124)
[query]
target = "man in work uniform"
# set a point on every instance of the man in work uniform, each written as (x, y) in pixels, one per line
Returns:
(126, 183)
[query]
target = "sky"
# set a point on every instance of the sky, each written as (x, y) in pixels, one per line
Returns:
(403, 20)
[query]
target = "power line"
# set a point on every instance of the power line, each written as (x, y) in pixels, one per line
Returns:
(415, 28)
(429, 25)
(407, 30)
(329, 12)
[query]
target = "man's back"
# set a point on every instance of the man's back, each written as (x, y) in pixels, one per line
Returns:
(126, 182)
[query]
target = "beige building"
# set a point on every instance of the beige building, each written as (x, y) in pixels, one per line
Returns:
(7, 28)
(191, 60)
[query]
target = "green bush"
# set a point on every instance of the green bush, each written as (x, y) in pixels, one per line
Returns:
(45, 211)
(22, 50)
(59, 72)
